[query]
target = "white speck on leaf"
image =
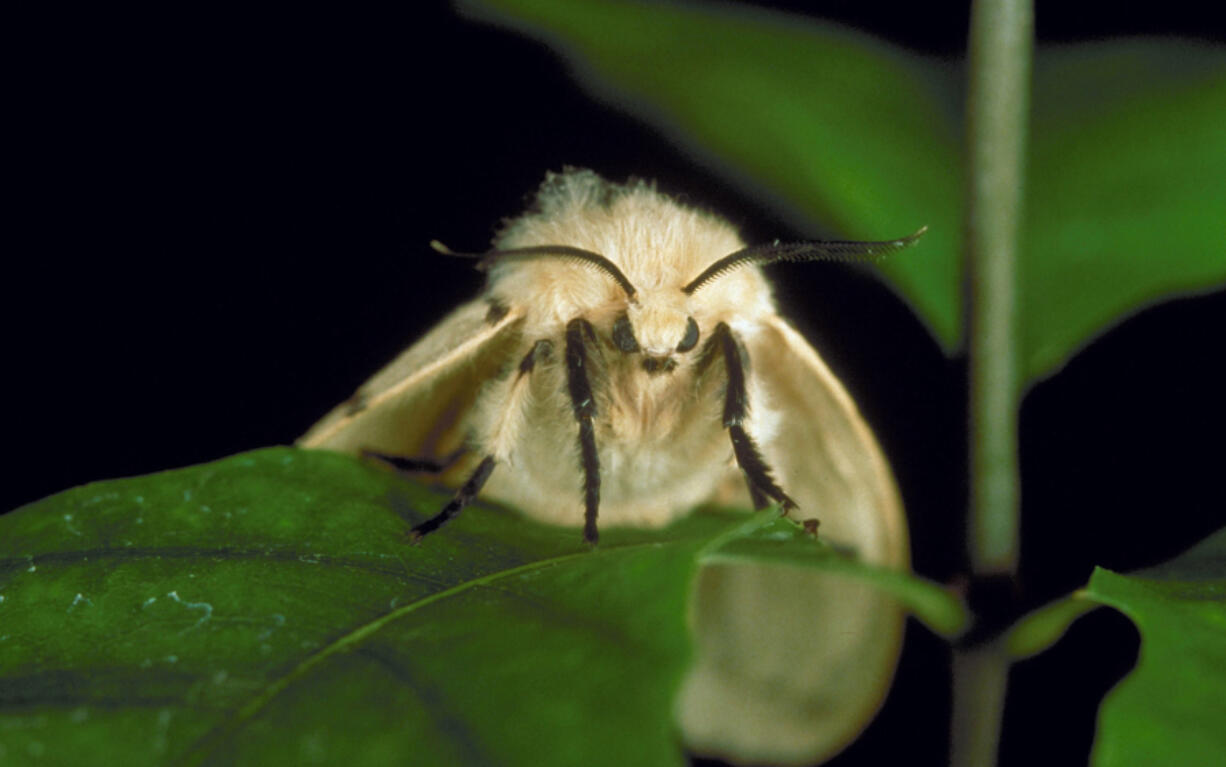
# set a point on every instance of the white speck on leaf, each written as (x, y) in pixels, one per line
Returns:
(171, 658)
(204, 606)
(79, 599)
(140, 499)
(206, 509)
(187, 494)
(149, 601)
(68, 524)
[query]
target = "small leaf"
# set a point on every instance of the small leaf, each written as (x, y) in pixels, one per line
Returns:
(1170, 708)
(267, 608)
(1039, 629)
(832, 125)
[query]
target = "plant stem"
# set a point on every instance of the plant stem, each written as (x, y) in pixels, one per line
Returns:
(998, 98)
(980, 677)
(1001, 39)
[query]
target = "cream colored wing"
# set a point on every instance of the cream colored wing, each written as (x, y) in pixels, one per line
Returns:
(791, 665)
(415, 405)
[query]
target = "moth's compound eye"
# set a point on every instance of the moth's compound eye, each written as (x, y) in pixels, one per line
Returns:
(690, 340)
(623, 335)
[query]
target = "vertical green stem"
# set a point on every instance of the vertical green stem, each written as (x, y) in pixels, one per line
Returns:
(1001, 40)
(998, 100)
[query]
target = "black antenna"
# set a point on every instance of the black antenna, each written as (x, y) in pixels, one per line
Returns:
(586, 257)
(815, 250)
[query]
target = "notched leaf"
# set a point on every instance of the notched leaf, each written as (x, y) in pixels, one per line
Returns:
(1169, 709)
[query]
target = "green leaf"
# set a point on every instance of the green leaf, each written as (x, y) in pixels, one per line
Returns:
(833, 126)
(1127, 192)
(935, 606)
(1170, 708)
(1127, 160)
(267, 609)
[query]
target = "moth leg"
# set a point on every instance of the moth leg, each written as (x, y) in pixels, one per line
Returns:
(584, 405)
(756, 496)
(736, 406)
(415, 465)
(462, 498)
(500, 440)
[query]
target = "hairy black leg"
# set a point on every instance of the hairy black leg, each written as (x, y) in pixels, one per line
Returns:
(584, 405)
(462, 498)
(477, 480)
(736, 406)
(756, 496)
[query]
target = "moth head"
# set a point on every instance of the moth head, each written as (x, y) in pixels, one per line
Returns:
(659, 328)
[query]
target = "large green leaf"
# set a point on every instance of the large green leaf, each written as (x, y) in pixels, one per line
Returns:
(1127, 191)
(268, 609)
(834, 126)
(1170, 709)
(1127, 187)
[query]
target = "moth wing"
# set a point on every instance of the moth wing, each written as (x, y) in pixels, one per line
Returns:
(415, 405)
(790, 665)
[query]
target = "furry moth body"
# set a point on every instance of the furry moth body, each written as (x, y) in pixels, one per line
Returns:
(625, 364)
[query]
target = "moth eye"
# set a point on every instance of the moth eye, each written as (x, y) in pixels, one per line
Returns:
(690, 340)
(623, 335)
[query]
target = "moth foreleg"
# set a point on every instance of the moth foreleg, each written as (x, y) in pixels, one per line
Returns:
(736, 407)
(462, 498)
(756, 497)
(499, 441)
(584, 405)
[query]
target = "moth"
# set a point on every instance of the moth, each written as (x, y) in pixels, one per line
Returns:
(624, 364)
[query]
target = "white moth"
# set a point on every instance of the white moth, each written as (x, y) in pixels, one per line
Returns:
(626, 363)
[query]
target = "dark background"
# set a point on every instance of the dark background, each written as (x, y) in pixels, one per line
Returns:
(220, 229)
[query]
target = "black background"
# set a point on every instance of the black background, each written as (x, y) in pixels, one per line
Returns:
(219, 231)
